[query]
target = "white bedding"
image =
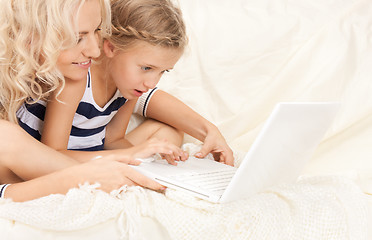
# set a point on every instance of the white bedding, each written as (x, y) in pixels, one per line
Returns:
(313, 208)
(244, 56)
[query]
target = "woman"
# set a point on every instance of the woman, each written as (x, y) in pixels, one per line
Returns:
(36, 38)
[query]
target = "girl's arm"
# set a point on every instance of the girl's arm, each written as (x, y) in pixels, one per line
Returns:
(168, 109)
(115, 138)
(58, 122)
(60, 113)
(116, 129)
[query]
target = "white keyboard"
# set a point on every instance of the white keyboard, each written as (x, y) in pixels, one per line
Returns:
(215, 181)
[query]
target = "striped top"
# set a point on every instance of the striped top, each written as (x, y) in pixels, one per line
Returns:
(89, 123)
(2, 189)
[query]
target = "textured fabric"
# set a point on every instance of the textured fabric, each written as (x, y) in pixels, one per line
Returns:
(327, 207)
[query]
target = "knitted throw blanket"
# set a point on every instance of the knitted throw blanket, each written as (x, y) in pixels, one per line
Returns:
(327, 207)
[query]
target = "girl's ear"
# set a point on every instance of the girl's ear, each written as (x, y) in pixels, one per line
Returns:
(108, 48)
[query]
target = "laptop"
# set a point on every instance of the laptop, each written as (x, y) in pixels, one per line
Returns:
(278, 155)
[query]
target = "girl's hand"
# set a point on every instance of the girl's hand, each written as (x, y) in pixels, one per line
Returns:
(216, 144)
(167, 150)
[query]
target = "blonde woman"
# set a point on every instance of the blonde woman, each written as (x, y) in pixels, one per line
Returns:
(148, 38)
(40, 43)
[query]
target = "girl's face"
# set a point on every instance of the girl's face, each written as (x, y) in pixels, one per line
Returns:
(139, 68)
(74, 62)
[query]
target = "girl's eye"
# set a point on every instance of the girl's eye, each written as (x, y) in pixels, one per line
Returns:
(145, 68)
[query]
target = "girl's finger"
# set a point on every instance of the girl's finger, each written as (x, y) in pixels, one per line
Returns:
(170, 159)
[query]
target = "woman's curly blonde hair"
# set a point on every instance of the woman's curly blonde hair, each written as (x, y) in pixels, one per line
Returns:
(158, 22)
(32, 35)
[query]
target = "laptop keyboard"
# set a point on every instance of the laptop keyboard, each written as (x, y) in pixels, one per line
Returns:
(215, 181)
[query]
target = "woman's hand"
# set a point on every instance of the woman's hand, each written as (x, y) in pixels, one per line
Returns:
(216, 144)
(107, 171)
(112, 173)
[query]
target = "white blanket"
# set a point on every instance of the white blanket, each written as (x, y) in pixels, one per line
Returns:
(313, 208)
(327, 207)
(244, 57)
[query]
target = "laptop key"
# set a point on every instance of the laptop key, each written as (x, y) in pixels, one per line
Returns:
(213, 181)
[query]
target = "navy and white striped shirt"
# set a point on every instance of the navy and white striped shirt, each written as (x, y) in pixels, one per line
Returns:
(89, 123)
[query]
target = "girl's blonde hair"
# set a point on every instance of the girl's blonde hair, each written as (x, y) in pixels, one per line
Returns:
(32, 35)
(158, 22)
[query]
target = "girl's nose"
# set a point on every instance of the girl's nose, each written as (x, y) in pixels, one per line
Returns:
(151, 82)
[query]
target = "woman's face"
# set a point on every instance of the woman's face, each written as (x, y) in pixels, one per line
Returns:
(75, 62)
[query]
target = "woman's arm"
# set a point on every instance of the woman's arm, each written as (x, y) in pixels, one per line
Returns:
(26, 157)
(46, 171)
(108, 172)
(168, 109)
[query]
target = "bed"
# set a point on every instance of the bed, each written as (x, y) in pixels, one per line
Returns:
(243, 57)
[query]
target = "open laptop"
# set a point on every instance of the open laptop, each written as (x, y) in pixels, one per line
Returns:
(277, 156)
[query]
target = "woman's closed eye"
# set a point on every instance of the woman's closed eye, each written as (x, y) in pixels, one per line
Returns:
(83, 35)
(79, 40)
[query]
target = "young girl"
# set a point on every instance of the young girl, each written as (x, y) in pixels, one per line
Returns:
(148, 38)
(41, 41)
